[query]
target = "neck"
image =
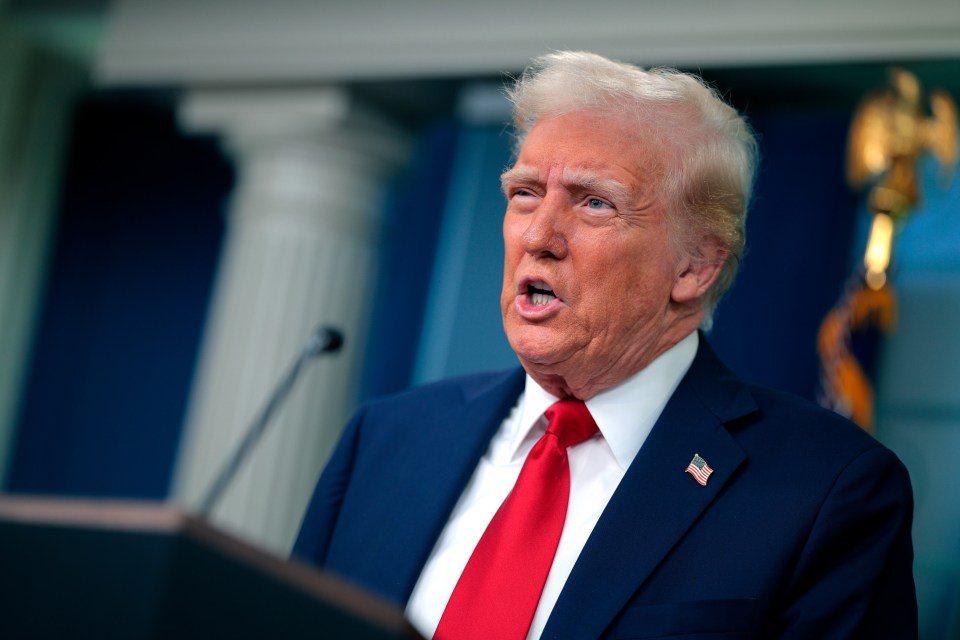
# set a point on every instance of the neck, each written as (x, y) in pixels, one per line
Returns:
(573, 380)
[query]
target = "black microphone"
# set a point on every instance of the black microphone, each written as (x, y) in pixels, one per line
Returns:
(322, 340)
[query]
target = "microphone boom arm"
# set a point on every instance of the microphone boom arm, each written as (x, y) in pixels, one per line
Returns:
(323, 340)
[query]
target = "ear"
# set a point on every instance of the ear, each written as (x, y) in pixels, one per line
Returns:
(699, 271)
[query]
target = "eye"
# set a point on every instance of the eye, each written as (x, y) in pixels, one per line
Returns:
(597, 204)
(521, 193)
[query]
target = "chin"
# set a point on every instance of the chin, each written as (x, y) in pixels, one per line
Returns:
(534, 345)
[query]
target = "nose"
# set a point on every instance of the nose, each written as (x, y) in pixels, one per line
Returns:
(544, 236)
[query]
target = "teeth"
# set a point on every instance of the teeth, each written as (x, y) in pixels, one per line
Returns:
(540, 293)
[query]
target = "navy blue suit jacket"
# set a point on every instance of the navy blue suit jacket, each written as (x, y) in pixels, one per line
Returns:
(803, 530)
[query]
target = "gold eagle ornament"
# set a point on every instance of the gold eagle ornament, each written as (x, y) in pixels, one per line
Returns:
(889, 133)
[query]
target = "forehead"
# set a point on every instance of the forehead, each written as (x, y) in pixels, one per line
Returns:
(589, 146)
(608, 155)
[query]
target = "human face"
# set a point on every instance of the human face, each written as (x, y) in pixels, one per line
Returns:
(592, 290)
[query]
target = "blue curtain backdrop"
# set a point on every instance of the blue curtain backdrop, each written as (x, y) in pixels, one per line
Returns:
(799, 236)
(412, 227)
(127, 292)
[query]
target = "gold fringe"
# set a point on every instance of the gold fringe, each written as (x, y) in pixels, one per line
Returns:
(847, 389)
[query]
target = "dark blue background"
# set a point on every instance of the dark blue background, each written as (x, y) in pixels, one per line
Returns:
(127, 291)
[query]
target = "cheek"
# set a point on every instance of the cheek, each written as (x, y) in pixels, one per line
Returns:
(510, 262)
(629, 278)
(512, 241)
(512, 228)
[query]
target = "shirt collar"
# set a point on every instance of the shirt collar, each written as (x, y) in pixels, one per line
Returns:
(625, 413)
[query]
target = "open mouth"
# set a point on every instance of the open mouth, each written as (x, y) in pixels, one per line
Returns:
(540, 294)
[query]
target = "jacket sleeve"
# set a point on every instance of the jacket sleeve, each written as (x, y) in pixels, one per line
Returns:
(320, 519)
(855, 573)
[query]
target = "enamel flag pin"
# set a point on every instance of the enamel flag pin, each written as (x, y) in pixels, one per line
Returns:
(699, 469)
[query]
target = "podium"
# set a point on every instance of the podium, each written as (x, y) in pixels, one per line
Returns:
(92, 569)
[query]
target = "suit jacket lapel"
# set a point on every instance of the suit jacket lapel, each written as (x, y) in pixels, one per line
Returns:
(454, 439)
(656, 502)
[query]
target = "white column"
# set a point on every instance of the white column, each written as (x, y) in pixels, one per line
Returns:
(300, 247)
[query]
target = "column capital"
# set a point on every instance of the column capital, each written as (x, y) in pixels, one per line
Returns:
(311, 159)
(257, 117)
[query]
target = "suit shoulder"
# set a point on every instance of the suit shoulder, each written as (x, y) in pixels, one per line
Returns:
(785, 402)
(801, 426)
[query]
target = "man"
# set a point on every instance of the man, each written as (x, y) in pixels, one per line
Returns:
(691, 504)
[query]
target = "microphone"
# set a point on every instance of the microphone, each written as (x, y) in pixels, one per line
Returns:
(322, 341)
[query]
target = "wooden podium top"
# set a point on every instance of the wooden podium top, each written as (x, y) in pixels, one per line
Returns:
(131, 520)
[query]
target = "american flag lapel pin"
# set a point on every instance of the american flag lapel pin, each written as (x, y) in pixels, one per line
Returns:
(699, 469)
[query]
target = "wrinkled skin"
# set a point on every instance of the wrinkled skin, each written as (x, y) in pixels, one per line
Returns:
(593, 290)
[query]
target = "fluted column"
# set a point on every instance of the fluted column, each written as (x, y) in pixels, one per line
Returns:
(300, 248)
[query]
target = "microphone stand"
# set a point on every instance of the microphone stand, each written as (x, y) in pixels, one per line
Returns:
(323, 340)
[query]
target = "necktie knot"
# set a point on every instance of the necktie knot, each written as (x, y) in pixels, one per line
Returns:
(570, 421)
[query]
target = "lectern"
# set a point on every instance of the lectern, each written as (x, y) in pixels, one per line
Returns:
(90, 569)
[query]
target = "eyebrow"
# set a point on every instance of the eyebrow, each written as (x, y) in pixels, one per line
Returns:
(518, 174)
(573, 179)
(587, 180)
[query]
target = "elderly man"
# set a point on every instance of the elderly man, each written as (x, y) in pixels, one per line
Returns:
(623, 484)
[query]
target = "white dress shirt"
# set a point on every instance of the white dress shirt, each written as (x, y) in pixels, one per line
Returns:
(625, 415)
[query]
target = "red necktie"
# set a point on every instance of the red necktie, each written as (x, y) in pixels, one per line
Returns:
(498, 591)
